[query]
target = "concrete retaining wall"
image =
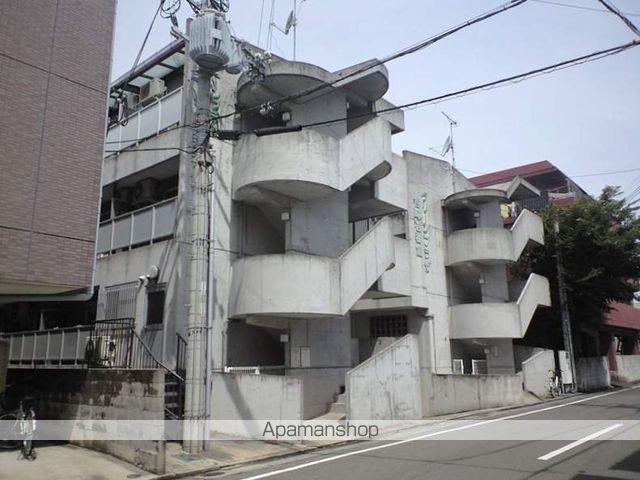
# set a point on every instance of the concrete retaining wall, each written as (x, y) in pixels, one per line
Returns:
(592, 373)
(628, 368)
(4, 363)
(535, 372)
(444, 394)
(68, 394)
(256, 397)
(387, 385)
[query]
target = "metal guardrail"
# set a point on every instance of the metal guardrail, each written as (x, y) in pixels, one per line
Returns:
(138, 227)
(181, 355)
(146, 122)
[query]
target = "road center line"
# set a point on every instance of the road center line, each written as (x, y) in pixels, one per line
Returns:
(577, 443)
(432, 434)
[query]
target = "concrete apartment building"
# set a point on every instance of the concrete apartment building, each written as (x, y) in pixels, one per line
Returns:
(328, 247)
(618, 333)
(55, 60)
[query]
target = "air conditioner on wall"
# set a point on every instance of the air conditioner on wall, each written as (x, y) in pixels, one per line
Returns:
(152, 90)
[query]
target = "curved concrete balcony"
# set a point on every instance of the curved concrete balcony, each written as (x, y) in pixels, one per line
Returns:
(500, 320)
(308, 165)
(300, 285)
(494, 245)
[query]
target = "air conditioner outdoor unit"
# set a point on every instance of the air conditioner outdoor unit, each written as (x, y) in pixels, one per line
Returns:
(152, 90)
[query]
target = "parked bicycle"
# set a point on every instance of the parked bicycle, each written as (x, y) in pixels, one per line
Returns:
(555, 383)
(17, 429)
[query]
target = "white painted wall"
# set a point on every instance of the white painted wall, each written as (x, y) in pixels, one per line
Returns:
(387, 385)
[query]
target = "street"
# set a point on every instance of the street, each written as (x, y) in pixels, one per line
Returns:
(585, 459)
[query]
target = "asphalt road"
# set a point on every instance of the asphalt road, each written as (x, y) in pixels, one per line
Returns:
(600, 440)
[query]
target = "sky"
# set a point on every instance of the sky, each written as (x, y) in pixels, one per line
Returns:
(585, 120)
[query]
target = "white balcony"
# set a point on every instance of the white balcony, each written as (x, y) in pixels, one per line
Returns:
(141, 226)
(146, 122)
(500, 320)
(493, 245)
(300, 285)
(308, 165)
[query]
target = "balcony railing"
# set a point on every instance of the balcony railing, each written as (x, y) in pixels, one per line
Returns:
(138, 227)
(147, 122)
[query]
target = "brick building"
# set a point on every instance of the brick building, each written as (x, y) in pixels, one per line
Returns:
(54, 77)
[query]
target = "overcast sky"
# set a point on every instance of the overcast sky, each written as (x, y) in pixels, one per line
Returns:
(584, 120)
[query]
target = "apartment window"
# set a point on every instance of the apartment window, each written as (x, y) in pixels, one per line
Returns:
(120, 301)
(155, 306)
(388, 326)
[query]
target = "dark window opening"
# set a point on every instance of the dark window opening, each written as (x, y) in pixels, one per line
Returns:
(388, 326)
(155, 307)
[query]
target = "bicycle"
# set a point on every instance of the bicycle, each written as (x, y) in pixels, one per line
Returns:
(554, 387)
(17, 429)
(26, 427)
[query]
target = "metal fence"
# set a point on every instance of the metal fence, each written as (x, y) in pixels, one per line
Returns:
(138, 227)
(147, 122)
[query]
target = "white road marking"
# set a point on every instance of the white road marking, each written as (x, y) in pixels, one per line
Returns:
(432, 434)
(577, 443)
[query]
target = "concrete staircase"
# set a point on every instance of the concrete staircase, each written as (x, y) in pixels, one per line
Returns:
(337, 409)
(173, 397)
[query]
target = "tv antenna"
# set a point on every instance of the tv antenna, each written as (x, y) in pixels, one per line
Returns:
(449, 146)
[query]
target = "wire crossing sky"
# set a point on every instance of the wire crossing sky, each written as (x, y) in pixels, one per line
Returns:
(584, 119)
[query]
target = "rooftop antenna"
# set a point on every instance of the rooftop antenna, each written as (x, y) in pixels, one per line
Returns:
(449, 146)
(292, 23)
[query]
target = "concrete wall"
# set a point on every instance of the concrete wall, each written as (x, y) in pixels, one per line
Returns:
(102, 395)
(628, 368)
(444, 394)
(592, 373)
(387, 385)
(256, 397)
(535, 372)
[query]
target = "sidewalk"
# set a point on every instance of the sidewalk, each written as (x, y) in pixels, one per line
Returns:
(67, 462)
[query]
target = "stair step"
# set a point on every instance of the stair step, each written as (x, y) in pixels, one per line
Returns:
(341, 398)
(331, 416)
(338, 408)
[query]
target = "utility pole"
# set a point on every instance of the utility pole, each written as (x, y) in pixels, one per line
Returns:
(564, 308)
(210, 49)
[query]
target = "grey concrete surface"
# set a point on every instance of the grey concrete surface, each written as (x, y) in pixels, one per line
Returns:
(495, 460)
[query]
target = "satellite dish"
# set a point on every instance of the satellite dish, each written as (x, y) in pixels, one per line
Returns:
(291, 22)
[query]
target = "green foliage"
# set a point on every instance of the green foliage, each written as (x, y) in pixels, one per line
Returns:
(600, 246)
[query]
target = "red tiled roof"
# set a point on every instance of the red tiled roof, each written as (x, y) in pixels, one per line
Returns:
(623, 316)
(524, 171)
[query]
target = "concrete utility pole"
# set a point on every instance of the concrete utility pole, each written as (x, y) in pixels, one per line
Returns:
(197, 97)
(564, 308)
(210, 49)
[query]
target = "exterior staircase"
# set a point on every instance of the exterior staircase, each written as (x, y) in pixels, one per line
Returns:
(337, 409)
(173, 397)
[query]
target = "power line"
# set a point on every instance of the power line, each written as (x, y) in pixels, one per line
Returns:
(619, 14)
(490, 85)
(401, 53)
(581, 7)
(606, 173)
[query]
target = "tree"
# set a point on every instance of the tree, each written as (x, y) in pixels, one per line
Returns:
(600, 252)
